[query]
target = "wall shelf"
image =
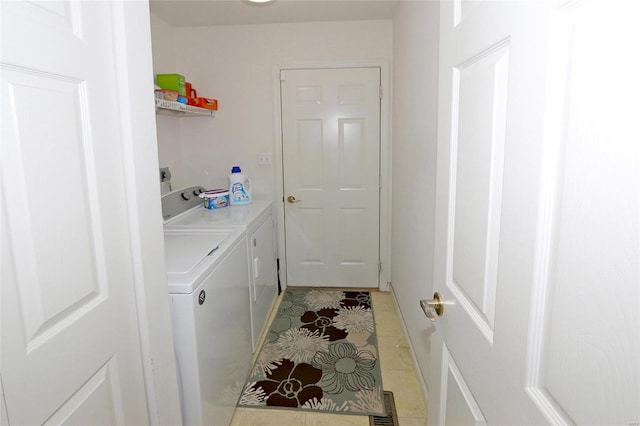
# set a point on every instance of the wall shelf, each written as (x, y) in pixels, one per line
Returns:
(179, 109)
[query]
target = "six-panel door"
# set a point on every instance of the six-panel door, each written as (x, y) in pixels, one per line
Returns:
(70, 345)
(538, 221)
(331, 152)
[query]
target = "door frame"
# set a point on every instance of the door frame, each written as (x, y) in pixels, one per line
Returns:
(132, 46)
(384, 276)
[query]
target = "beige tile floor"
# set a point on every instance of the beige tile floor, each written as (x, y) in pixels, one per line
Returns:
(398, 376)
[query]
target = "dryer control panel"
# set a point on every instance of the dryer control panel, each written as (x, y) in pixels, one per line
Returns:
(181, 200)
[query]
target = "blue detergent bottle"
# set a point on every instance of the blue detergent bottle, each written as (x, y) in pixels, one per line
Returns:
(239, 187)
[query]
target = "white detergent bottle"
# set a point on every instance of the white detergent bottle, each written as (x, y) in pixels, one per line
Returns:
(239, 187)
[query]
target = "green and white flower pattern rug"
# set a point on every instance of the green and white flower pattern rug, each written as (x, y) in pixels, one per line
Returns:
(320, 354)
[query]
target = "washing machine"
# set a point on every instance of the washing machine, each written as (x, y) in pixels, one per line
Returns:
(208, 276)
(184, 210)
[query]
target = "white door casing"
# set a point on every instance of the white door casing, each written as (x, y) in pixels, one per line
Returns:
(538, 211)
(331, 165)
(70, 349)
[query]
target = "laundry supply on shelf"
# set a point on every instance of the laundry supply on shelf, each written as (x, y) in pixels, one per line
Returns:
(172, 82)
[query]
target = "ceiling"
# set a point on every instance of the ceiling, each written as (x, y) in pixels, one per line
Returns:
(193, 13)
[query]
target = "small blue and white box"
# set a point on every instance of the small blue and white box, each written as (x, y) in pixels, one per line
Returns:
(215, 198)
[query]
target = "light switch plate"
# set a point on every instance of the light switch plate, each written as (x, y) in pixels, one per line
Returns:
(264, 159)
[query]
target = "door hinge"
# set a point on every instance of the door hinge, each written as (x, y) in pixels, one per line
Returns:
(381, 92)
(379, 265)
(379, 181)
(283, 75)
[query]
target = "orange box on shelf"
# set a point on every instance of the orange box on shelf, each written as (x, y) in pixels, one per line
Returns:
(208, 103)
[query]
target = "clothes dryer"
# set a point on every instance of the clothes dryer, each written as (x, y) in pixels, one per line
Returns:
(184, 210)
(208, 291)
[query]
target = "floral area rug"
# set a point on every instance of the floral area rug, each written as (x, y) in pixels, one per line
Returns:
(320, 354)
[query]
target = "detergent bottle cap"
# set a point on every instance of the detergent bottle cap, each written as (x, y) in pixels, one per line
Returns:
(236, 169)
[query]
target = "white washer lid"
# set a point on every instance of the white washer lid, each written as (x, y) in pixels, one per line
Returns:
(184, 252)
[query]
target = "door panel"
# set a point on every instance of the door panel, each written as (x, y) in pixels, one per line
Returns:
(479, 115)
(331, 151)
(590, 244)
(461, 407)
(97, 398)
(537, 231)
(310, 162)
(49, 299)
(70, 345)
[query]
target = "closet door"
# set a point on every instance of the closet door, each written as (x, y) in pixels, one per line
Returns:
(70, 350)
(331, 161)
(538, 222)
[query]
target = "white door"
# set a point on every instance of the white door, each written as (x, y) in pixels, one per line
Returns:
(537, 232)
(70, 351)
(331, 161)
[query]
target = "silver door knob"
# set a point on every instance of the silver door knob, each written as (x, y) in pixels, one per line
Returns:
(434, 305)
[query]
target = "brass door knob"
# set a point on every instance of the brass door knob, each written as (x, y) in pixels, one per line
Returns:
(436, 304)
(292, 199)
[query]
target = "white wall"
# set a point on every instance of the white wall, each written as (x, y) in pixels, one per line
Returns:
(235, 65)
(164, 62)
(414, 131)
